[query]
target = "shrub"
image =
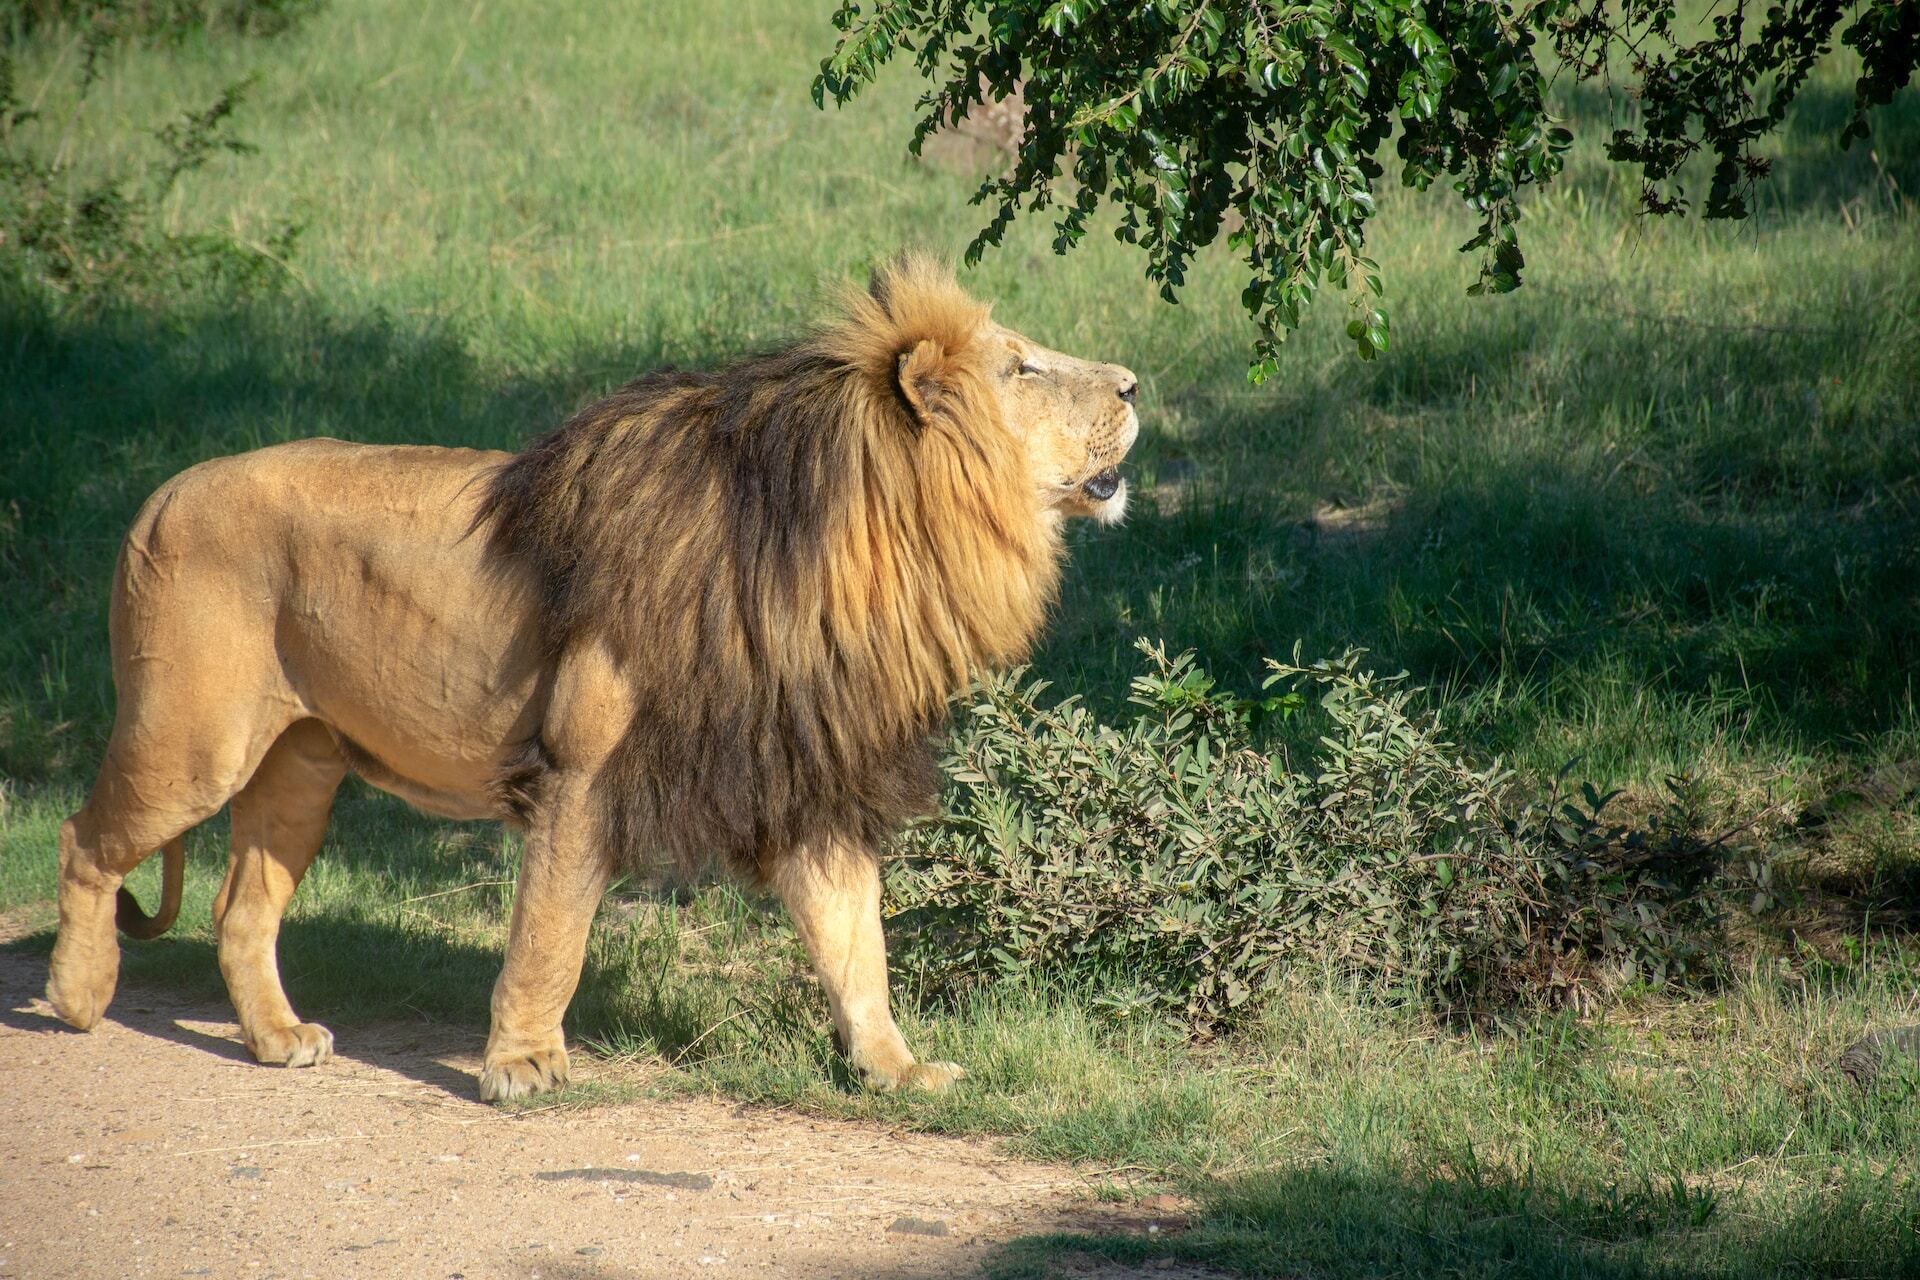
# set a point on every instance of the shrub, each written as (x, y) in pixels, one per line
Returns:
(84, 236)
(1169, 864)
(161, 19)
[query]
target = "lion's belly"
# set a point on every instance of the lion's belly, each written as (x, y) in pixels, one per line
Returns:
(400, 632)
(432, 720)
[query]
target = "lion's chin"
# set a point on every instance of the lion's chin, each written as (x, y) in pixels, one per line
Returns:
(1111, 509)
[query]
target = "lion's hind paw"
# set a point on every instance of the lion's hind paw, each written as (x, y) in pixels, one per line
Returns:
(79, 1006)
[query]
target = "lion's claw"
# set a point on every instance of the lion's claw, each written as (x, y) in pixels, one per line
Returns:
(523, 1075)
(928, 1077)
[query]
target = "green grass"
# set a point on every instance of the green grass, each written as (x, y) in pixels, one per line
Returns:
(1660, 510)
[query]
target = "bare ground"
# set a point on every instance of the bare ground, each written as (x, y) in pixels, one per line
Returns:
(154, 1146)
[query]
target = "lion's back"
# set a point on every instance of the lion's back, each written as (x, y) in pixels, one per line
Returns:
(319, 473)
(284, 498)
(345, 579)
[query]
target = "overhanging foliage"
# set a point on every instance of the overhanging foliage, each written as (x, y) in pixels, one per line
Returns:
(1266, 121)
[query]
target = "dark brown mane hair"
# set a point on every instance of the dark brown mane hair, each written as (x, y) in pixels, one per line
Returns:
(794, 561)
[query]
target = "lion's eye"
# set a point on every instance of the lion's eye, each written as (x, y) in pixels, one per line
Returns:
(1027, 370)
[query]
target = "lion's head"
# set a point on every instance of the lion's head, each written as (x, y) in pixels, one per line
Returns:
(1079, 420)
(1074, 418)
(797, 559)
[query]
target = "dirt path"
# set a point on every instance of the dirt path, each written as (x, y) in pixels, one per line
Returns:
(155, 1147)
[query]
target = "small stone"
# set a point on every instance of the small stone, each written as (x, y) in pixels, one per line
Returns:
(244, 1171)
(588, 1251)
(1867, 1058)
(909, 1226)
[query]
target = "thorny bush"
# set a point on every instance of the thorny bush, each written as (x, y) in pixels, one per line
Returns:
(1169, 864)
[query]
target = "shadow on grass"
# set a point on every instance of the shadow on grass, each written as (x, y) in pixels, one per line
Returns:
(97, 408)
(1812, 172)
(1333, 1222)
(1617, 537)
(1530, 599)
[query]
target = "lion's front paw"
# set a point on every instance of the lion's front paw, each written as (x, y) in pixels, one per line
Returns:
(931, 1077)
(305, 1044)
(513, 1076)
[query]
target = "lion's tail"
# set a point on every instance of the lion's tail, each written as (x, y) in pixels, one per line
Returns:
(136, 923)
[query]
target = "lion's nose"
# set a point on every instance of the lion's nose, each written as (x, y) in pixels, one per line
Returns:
(1130, 392)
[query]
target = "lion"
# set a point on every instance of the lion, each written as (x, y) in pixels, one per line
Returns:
(714, 616)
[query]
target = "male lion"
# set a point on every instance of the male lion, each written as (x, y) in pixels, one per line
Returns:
(713, 615)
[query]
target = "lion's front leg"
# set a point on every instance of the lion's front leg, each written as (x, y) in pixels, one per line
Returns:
(562, 876)
(834, 898)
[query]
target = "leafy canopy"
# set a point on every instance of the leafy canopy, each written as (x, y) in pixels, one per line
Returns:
(1267, 121)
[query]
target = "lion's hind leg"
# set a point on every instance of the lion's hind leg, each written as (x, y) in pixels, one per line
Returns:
(137, 806)
(279, 818)
(97, 850)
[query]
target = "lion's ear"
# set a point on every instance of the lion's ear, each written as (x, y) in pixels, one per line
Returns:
(923, 377)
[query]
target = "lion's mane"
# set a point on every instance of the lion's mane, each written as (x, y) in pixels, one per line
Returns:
(793, 568)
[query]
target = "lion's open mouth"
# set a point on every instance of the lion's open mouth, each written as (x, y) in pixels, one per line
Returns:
(1103, 485)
